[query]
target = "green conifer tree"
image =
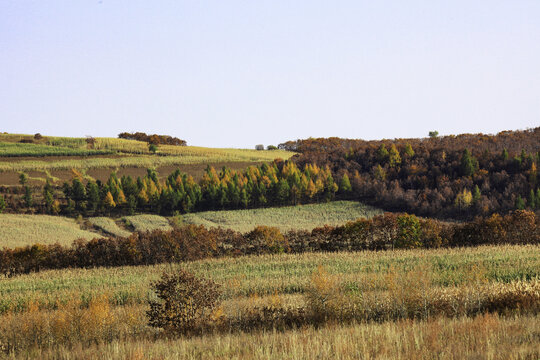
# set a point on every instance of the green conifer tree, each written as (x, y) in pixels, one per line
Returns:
(345, 184)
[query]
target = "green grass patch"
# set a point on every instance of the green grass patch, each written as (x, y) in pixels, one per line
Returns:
(304, 217)
(108, 226)
(38, 150)
(147, 222)
(23, 230)
(275, 274)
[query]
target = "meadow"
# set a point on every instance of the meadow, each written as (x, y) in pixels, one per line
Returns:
(484, 337)
(68, 313)
(147, 222)
(301, 217)
(20, 230)
(45, 229)
(108, 226)
(285, 274)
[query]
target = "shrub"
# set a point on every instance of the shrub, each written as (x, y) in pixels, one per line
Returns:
(185, 302)
(324, 297)
(38, 136)
(152, 148)
(268, 237)
(409, 232)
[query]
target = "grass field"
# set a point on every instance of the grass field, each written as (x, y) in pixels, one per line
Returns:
(22, 230)
(304, 217)
(108, 226)
(483, 337)
(274, 274)
(204, 156)
(147, 222)
(38, 150)
(101, 311)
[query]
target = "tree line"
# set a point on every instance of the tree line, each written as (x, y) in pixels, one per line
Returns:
(275, 184)
(153, 139)
(450, 177)
(192, 242)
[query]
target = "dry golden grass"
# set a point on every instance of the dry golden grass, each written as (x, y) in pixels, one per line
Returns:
(335, 289)
(486, 336)
(22, 230)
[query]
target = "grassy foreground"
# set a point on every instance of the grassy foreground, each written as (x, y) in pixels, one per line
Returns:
(286, 274)
(82, 313)
(301, 217)
(483, 337)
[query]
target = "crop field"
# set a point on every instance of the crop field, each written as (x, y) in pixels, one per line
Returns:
(304, 217)
(55, 157)
(142, 161)
(108, 226)
(286, 274)
(22, 230)
(37, 150)
(107, 306)
(147, 222)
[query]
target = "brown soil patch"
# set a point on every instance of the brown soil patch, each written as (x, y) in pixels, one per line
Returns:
(57, 158)
(195, 170)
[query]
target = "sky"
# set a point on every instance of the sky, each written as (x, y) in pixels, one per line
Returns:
(240, 73)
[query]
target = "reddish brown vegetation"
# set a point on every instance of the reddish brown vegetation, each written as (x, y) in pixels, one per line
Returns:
(153, 139)
(452, 176)
(193, 242)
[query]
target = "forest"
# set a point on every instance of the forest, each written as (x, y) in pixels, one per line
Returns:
(446, 177)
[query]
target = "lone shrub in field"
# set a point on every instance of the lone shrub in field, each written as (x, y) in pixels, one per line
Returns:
(185, 302)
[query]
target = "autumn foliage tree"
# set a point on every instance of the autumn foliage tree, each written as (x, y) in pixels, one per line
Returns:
(184, 302)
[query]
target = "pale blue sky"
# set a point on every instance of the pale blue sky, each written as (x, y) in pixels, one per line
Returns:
(238, 73)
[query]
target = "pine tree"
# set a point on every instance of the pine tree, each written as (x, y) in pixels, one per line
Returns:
(2, 204)
(468, 164)
(131, 204)
(379, 173)
(28, 200)
(409, 150)
(345, 184)
(476, 194)
(92, 193)
(382, 153)
(504, 154)
(109, 201)
(48, 198)
(532, 200)
(520, 204)
(394, 159)
(23, 179)
(282, 192)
